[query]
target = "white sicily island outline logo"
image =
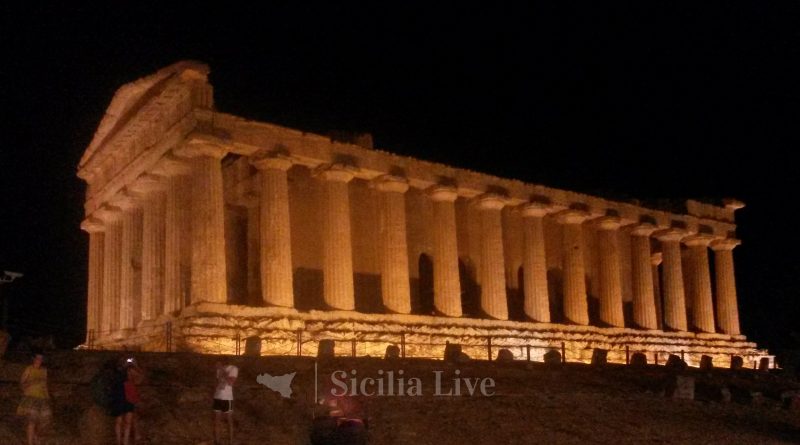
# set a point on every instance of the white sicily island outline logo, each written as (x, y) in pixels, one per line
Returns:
(282, 384)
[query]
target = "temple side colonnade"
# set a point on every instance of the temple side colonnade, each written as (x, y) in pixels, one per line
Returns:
(187, 206)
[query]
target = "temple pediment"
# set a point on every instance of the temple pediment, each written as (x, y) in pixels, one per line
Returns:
(140, 114)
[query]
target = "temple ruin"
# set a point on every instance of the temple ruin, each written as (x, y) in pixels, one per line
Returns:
(208, 231)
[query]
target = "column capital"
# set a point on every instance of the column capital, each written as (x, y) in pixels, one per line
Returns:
(572, 216)
(656, 258)
(725, 244)
(390, 183)
(335, 172)
(442, 193)
(642, 229)
(194, 149)
(671, 234)
(535, 209)
(147, 183)
(108, 213)
(171, 165)
(92, 225)
(490, 201)
(698, 239)
(125, 200)
(272, 162)
(608, 222)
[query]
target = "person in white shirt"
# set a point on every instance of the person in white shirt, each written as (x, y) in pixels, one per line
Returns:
(223, 398)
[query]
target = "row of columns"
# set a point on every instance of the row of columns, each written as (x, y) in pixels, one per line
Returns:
(153, 208)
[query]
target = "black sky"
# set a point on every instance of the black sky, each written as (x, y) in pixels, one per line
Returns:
(648, 100)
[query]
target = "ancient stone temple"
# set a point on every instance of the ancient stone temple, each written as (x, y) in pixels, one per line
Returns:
(212, 233)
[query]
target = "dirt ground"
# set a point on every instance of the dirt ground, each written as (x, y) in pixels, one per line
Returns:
(532, 403)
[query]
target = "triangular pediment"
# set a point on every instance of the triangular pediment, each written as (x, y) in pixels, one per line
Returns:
(132, 97)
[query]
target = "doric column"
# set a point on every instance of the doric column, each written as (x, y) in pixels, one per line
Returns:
(674, 298)
(702, 302)
(112, 260)
(336, 243)
(644, 297)
(94, 227)
(177, 222)
(209, 276)
(727, 306)
(610, 279)
(254, 294)
(152, 192)
(274, 233)
(393, 248)
(446, 284)
(655, 261)
(130, 245)
(534, 262)
(576, 309)
(492, 270)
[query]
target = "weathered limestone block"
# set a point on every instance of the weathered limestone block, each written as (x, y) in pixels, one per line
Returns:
(599, 357)
(552, 357)
(504, 355)
(763, 364)
(452, 352)
(675, 363)
(252, 346)
(706, 363)
(638, 360)
(392, 352)
(326, 349)
(737, 363)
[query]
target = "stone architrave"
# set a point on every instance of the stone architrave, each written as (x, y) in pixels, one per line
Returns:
(177, 229)
(112, 243)
(702, 301)
(534, 262)
(576, 308)
(492, 270)
(644, 297)
(96, 230)
(674, 297)
(337, 245)
(209, 269)
(152, 192)
(610, 279)
(275, 257)
(395, 287)
(130, 246)
(446, 284)
(727, 307)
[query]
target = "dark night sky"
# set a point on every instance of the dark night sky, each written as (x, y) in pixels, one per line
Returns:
(650, 100)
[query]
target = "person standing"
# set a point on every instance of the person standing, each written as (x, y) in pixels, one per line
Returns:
(223, 399)
(35, 405)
